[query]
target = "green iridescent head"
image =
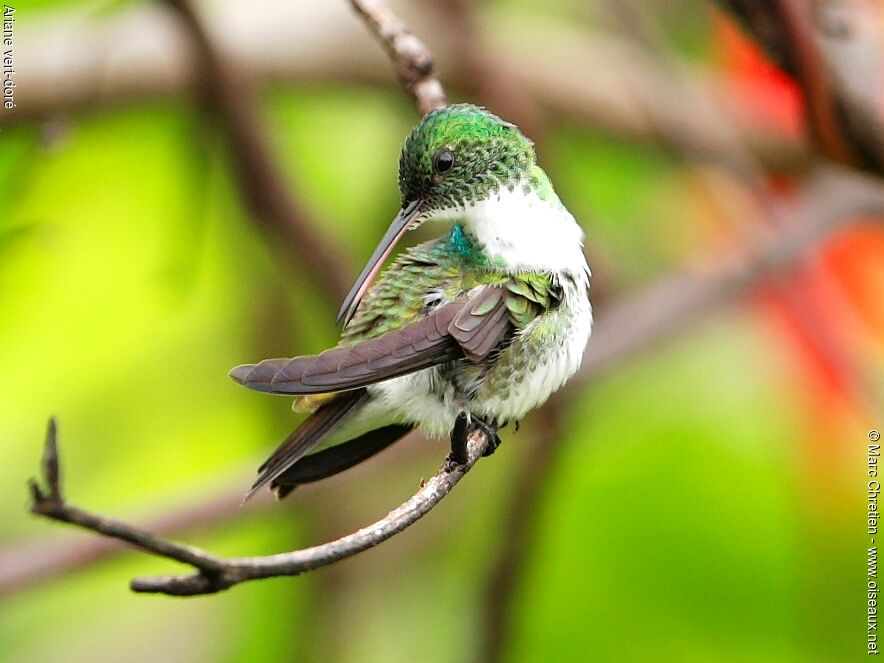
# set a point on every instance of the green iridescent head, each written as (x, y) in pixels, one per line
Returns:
(456, 156)
(460, 154)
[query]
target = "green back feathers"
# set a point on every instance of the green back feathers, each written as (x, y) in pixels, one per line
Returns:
(446, 268)
(488, 153)
(531, 294)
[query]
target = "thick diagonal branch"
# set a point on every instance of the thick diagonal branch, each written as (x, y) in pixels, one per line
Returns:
(828, 201)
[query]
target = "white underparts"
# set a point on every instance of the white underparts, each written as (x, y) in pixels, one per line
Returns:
(522, 231)
(424, 399)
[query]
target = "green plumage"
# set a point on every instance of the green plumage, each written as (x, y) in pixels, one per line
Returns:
(445, 268)
(440, 270)
(490, 153)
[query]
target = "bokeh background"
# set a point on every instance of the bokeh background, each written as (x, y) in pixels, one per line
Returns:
(700, 497)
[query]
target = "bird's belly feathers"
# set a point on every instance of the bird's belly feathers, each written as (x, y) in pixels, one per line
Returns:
(537, 363)
(540, 359)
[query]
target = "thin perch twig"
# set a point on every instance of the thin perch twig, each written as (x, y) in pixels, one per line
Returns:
(213, 573)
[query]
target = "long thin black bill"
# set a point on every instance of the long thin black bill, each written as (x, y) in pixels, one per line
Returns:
(397, 229)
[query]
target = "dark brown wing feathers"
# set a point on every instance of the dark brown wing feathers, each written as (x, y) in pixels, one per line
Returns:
(261, 375)
(470, 326)
(481, 324)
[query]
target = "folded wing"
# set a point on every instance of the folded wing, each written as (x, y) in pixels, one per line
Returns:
(470, 327)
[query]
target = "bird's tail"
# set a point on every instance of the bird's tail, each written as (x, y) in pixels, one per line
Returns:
(317, 427)
(337, 458)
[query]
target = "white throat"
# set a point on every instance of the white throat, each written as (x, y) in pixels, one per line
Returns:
(522, 231)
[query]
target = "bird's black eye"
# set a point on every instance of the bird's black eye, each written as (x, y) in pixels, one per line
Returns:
(443, 161)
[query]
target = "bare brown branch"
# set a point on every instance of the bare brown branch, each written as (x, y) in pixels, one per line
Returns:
(412, 61)
(214, 574)
(469, 440)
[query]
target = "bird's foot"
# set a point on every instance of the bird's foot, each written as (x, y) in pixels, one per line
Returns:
(459, 433)
(464, 425)
(491, 432)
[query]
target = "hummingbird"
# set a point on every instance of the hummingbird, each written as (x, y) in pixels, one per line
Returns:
(487, 320)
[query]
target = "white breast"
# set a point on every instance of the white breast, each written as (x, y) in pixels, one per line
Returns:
(524, 231)
(554, 360)
(422, 398)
